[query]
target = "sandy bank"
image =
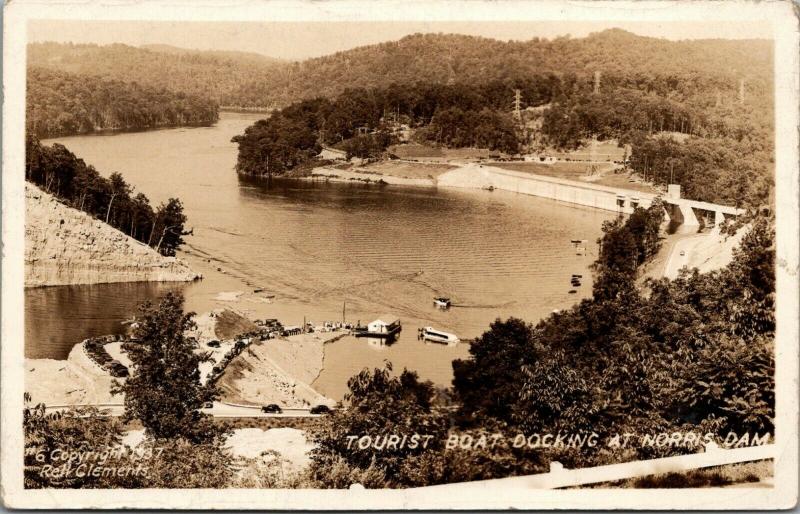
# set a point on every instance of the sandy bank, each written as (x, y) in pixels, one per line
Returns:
(278, 371)
(75, 381)
(66, 246)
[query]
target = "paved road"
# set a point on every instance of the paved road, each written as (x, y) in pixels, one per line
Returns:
(677, 261)
(219, 410)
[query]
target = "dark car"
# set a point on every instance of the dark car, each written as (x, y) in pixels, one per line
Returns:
(320, 409)
(208, 405)
(117, 369)
(213, 344)
(271, 409)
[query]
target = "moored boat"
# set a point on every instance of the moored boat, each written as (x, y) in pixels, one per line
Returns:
(437, 336)
(385, 327)
(442, 302)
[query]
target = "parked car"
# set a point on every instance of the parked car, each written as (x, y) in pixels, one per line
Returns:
(320, 409)
(208, 405)
(117, 370)
(213, 344)
(272, 408)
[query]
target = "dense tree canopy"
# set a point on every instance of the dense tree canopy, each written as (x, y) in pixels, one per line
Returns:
(691, 354)
(215, 75)
(378, 405)
(358, 120)
(61, 103)
(624, 59)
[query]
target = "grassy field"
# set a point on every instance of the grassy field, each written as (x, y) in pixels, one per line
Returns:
(432, 153)
(230, 325)
(407, 169)
(568, 170)
(593, 151)
(622, 180)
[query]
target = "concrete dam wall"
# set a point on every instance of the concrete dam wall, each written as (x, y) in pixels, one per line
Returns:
(477, 176)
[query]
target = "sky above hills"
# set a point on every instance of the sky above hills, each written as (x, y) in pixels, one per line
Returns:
(302, 40)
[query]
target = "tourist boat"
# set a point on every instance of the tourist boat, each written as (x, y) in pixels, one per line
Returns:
(438, 336)
(442, 302)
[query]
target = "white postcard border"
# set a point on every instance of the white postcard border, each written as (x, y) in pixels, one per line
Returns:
(783, 19)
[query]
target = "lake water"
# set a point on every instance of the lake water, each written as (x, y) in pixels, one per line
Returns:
(321, 247)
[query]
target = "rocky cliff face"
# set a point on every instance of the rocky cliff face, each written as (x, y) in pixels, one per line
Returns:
(66, 246)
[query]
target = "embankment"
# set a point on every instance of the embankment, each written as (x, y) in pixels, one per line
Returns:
(277, 371)
(66, 246)
(706, 252)
(75, 381)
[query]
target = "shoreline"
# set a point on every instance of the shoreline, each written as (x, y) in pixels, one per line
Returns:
(215, 288)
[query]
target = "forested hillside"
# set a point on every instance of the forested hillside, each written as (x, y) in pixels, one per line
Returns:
(60, 103)
(685, 69)
(696, 113)
(211, 74)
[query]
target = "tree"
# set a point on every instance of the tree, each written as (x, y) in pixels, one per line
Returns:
(487, 384)
(378, 405)
(169, 220)
(164, 392)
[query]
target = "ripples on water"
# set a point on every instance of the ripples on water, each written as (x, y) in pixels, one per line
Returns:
(316, 245)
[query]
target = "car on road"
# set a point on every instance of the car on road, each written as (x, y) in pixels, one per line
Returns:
(272, 408)
(208, 405)
(320, 409)
(683, 252)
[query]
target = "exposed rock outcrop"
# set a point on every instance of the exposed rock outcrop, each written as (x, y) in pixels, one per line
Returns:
(66, 246)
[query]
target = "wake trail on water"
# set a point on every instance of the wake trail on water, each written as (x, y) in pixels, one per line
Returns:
(481, 305)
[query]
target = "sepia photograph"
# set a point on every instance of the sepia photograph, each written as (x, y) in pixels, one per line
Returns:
(335, 255)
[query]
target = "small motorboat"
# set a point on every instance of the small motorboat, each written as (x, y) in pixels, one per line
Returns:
(442, 302)
(437, 336)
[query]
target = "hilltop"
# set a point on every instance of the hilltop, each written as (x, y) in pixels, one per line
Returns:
(243, 78)
(233, 55)
(209, 74)
(452, 58)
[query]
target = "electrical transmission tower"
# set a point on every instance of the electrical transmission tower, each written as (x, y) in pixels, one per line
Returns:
(741, 91)
(518, 104)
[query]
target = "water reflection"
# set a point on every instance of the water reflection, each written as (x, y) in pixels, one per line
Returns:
(56, 318)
